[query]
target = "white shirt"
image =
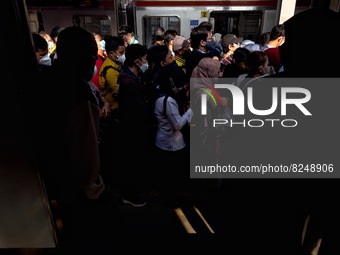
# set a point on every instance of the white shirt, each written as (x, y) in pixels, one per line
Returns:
(169, 136)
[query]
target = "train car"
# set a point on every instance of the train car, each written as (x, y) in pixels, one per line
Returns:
(95, 16)
(247, 19)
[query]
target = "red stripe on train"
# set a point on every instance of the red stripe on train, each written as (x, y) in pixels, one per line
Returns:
(206, 3)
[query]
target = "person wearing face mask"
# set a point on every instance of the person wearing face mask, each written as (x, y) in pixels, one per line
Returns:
(166, 71)
(70, 110)
(198, 39)
(134, 123)
(41, 51)
(66, 143)
(110, 69)
(126, 33)
(172, 135)
(100, 60)
(49, 41)
(181, 47)
(257, 64)
(66, 139)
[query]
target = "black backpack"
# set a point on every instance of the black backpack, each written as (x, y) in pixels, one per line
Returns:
(103, 74)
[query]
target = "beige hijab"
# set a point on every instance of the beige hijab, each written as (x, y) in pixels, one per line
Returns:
(206, 70)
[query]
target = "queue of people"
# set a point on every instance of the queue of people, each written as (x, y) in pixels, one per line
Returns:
(145, 95)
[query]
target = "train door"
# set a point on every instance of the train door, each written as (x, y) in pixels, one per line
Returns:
(246, 24)
(99, 24)
(126, 13)
(150, 23)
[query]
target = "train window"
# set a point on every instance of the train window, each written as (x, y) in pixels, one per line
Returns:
(150, 24)
(93, 23)
(246, 24)
(35, 21)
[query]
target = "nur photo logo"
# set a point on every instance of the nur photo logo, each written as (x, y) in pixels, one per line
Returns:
(243, 104)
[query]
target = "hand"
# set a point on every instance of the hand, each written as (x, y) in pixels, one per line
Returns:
(106, 109)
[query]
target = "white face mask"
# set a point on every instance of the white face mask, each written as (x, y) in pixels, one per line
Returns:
(45, 60)
(121, 58)
(144, 67)
(102, 45)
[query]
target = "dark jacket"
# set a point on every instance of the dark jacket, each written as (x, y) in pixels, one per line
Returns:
(66, 128)
(133, 108)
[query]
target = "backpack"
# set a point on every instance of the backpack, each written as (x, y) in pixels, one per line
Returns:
(103, 74)
(202, 125)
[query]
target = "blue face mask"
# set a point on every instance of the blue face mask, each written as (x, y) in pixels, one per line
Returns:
(45, 60)
(132, 41)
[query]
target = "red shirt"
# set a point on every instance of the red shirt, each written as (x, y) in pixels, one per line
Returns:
(274, 58)
(95, 78)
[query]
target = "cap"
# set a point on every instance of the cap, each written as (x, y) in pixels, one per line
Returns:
(230, 39)
(180, 42)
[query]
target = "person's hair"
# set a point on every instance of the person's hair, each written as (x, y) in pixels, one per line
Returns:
(254, 60)
(160, 52)
(264, 38)
(75, 42)
(124, 29)
(112, 43)
(169, 36)
(299, 61)
(196, 35)
(240, 55)
(171, 31)
(39, 42)
(45, 35)
(133, 52)
(206, 24)
(158, 34)
(276, 32)
(55, 32)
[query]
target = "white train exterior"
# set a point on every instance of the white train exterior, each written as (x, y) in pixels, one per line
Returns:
(245, 18)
